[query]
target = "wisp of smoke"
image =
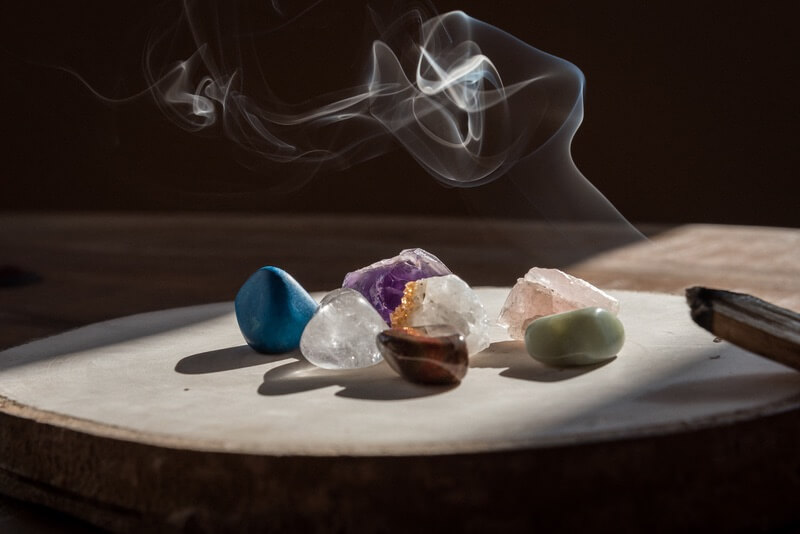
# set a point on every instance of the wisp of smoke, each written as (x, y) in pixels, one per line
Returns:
(461, 116)
(469, 102)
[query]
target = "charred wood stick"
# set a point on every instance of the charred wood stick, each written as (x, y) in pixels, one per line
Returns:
(749, 322)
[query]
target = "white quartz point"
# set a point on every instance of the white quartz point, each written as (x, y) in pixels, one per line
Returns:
(445, 300)
(342, 332)
(545, 292)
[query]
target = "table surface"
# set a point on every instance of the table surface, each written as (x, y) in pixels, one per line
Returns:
(95, 267)
(60, 271)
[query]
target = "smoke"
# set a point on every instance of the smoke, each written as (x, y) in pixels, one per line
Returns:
(454, 92)
(469, 102)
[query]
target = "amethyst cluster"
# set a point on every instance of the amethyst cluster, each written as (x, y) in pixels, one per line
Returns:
(383, 282)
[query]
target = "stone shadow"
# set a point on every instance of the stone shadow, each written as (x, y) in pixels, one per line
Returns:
(511, 356)
(227, 359)
(378, 382)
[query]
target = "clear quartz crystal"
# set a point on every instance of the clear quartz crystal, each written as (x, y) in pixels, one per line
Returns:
(545, 292)
(445, 300)
(341, 334)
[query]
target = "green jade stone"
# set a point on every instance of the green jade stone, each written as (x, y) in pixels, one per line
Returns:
(579, 337)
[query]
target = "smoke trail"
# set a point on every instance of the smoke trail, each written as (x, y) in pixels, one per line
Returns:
(448, 105)
(469, 102)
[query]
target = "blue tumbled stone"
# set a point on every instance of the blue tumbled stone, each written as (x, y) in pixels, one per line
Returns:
(272, 310)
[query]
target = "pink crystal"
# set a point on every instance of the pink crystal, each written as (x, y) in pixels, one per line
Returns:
(545, 292)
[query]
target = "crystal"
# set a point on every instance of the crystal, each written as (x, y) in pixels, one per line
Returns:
(578, 337)
(382, 283)
(432, 354)
(341, 334)
(272, 309)
(545, 292)
(444, 300)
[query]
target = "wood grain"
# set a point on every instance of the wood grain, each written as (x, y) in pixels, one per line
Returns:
(764, 262)
(95, 267)
(748, 322)
(682, 481)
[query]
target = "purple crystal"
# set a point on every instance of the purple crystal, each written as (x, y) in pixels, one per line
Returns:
(382, 283)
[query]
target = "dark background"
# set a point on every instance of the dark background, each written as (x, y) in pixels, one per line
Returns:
(691, 112)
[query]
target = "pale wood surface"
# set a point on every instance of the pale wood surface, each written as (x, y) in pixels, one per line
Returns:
(95, 267)
(761, 261)
(182, 378)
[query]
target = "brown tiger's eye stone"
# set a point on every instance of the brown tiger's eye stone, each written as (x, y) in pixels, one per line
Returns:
(434, 354)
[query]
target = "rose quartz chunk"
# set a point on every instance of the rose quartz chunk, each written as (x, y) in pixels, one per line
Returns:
(545, 292)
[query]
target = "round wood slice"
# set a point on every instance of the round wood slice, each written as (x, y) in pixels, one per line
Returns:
(167, 420)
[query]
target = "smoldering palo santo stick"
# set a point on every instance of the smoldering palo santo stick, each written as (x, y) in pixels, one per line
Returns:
(749, 322)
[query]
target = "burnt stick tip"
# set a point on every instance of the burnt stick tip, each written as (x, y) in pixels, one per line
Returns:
(702, 307)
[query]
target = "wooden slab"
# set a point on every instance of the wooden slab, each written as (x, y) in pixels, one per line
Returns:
(108, 421)
(183, 377)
